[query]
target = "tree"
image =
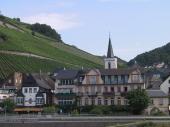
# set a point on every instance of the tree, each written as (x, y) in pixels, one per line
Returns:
(8, 105)
(138, 100)
(45, 30)
(17, 19)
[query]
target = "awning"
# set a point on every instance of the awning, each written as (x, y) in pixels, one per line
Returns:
(28, 109)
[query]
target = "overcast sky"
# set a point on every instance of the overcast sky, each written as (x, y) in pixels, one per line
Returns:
(136, 26)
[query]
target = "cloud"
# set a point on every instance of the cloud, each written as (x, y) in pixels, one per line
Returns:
(58, 21)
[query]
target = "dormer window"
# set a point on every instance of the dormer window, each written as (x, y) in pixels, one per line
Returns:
(25, 90)
(81, 79)
(35, 90)
(92, 79)
(30, 90)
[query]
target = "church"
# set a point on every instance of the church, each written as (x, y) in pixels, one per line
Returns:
(104, 86)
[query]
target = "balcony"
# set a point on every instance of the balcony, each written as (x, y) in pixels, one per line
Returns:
(65, 94)
(79, 94)
(92, 94)
(108, 94)
(123, 94)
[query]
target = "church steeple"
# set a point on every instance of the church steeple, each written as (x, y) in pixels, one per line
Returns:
(110, 49)
(110, 60)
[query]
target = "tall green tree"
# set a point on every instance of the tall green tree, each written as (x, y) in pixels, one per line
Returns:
(138, 100)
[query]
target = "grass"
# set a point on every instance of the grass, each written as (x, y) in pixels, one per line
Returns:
(18, 41)
(63, 55)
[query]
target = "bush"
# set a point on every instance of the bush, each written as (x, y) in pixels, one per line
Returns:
(2, 18)
(148, 124)
(96, 110)
(50, 109)
(156, 112)
(3, 36)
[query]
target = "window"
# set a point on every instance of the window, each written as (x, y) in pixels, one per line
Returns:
(152, 102)
(65, 101)
(112, 101)
(105, 89)
(35, 90)
(169, 89)
(93, 101)
(93, 89)
(99, 101)
(99, 89)
(125, 89)
(125, 102)
(20, 100)
(119, 101)
(86, 101)
(86, 90)
(109, 65)
(112, 89)
(39, 100)
(25, 90)
(138, 87)
(81, 79)
(105, 101)
(126, 78)
(169, 81)
(108, 79)
(30, 90)
(119, 89)
(161, 101)
(92, 79)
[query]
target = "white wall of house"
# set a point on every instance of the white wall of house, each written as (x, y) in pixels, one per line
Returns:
(112, 62)
(165, 86)
(30, 97)
(4, 96)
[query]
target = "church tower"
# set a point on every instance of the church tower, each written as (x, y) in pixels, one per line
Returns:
(110, 60)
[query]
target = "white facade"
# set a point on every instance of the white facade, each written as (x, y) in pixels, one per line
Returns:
(30, 95)
(110, 63)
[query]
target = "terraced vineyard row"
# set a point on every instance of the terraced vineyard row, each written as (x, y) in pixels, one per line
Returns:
(13, 63)
(23, 42)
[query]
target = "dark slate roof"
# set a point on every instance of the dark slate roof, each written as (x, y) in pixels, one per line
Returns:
(29, 81)
(115, 71)
(44, 81)
(20, 94)
(155, 85)
(110, 50)
(39, 94)
(67, 74)
(156, 93)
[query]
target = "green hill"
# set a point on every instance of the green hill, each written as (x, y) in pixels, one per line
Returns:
(18, 39)
(158, 55)
(24, 50)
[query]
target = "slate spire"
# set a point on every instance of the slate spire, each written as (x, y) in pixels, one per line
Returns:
(110, 49)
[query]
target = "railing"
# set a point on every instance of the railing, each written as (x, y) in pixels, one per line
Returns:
(110, 94)
(65, 94)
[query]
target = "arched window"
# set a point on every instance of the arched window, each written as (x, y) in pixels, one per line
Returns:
(109, 65)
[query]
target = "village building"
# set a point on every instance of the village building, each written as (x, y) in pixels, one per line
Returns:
(159, 102)
(36, 91)
(106, 86)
